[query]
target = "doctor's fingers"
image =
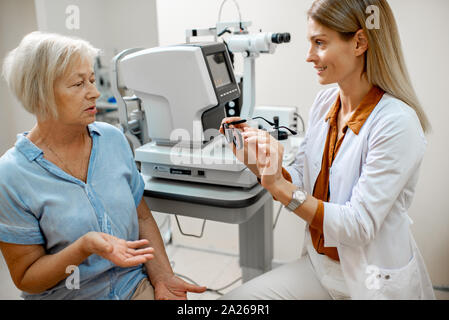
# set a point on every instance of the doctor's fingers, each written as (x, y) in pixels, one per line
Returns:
(232, 119)
(269, 158)
(256, 139)
(252, 132)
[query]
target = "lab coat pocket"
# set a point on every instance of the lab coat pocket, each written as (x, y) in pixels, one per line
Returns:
(400, 284)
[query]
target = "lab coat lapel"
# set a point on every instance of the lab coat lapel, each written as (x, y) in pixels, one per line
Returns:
(316, 152)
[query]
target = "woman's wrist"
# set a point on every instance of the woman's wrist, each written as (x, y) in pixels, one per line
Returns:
(282, 190)
(161, 277)
(85, 244)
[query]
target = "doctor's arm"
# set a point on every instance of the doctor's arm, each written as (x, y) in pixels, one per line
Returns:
(273, 177)
(395, 151)
(166, 285)
(277, 182)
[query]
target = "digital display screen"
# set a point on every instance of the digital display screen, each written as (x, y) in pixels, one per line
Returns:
(218, 69)
(211, 120)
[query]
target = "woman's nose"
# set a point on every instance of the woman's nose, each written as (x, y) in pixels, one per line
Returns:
(311, 57)
(94, 93)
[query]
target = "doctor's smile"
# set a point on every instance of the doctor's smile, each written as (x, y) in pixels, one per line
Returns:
(169, 130)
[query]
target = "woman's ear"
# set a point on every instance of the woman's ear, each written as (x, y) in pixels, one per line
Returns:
(361, 42)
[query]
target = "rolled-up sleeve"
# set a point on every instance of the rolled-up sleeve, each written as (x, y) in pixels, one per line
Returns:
(136, 182)
(395, 152)
(296, 170)
(17, 224)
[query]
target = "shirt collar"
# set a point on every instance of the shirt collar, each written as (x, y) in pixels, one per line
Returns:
(26, 147)
(362, 111)
(93, 128)
(31, 151)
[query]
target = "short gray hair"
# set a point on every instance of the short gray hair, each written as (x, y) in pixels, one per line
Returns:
(41, 58)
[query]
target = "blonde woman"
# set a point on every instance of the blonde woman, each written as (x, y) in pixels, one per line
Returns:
(70, 193)
(355, 174)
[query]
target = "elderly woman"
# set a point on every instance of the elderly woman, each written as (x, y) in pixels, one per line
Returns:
(70, 193)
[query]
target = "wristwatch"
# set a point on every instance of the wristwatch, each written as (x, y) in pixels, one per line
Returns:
(298, 198)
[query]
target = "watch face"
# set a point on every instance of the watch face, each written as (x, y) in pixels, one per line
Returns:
(300, 196)
(298, 199)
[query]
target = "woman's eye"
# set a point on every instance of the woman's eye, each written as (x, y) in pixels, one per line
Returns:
(79, 84)
(318, 42)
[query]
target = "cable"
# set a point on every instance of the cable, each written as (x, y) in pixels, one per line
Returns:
(225, 287)
(274, 125)
(238, 9)
(188, 234)
(223, 32)
(217, 291)
(277, 215)
(441, 288)
(164, 222)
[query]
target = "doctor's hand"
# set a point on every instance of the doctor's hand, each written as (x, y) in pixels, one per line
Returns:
(240, 126)
(244, 155)
(267, 153)
(120, 252)
(172, 287)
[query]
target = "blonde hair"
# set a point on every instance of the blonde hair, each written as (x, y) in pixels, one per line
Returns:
(32, 68)
(384, 60)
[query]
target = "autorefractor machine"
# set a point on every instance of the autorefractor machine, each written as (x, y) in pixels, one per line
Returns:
(182, 92)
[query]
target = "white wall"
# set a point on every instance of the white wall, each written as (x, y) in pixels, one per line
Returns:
(286, 79)
(17, 18)
(424, 31)
(112, 25)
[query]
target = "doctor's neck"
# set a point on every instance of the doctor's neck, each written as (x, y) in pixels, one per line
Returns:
(352, 91)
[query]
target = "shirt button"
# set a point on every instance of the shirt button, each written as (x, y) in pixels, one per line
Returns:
(387, 277)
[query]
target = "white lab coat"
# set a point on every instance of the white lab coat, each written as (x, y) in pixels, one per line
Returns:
(372, 182)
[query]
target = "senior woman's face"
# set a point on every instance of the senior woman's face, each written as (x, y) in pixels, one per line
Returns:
(76, 93)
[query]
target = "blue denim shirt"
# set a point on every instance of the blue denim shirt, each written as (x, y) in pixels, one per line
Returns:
(42, 204)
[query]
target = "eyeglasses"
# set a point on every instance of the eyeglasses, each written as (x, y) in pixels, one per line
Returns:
(274, 125)
(234, 135)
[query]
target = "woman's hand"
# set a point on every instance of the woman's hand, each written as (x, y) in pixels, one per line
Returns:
(173, 288)
(267, 154)
(120, 252)
(240, 126)
(243, 155)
